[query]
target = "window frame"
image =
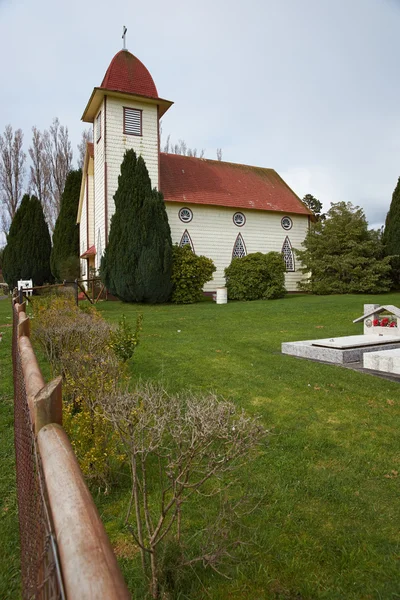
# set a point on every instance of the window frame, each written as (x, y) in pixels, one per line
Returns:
(242, 215)
(293, 270)
(139, 110)
(98, 127)
(239, 235)
(190, 212)
(190, 241)
(290, 221)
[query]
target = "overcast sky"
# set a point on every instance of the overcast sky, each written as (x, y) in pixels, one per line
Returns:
(307, 87)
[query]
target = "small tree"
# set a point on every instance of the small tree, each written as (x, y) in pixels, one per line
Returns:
(27, 254)
(314, 205)
(65, 252)
(342, 256)
(189, 274)
(391, 235)
(137, 263)
(256, 276)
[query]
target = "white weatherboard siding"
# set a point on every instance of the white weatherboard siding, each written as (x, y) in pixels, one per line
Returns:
(90, 197)
(117, 143)
(99, 204)
(213, 234)
(83, 236)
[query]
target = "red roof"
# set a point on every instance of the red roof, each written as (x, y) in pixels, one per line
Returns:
(191, 180)
(89, 252)
(127, 74)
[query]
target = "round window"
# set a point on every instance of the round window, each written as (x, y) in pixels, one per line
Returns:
(286, 223)
(239, 219)
(185, 215)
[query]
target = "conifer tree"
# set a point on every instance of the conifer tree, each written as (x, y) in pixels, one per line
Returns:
(342, 256)
(27, 254)
(12, 250)
(391, 235)
(66, 231)
(137, 263)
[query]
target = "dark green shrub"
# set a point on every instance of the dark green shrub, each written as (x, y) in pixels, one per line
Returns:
(256, 276)
(189, 274)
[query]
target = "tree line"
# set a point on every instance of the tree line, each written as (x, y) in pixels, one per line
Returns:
(50, 160)
(30, 253)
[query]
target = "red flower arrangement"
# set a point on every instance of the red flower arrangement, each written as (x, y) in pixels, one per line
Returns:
(385, 322)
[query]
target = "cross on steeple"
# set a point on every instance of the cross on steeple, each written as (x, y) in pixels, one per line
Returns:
(124, 30)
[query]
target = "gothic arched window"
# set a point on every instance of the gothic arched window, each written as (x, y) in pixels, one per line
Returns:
(239, 249)
(186, 240)
(287, 254)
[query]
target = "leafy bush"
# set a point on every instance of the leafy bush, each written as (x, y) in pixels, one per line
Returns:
(189, 274)
(256, 276)
(77, 345)
(124, 340)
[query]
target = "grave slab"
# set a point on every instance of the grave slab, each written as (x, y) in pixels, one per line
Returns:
(386, 361)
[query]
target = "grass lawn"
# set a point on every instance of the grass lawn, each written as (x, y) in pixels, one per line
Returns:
(9, 534)
(328, 526)
(328, 523)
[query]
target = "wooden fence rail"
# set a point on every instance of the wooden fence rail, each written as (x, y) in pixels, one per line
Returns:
(84, 561)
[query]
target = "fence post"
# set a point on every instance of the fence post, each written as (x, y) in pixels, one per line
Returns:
(76, 291)
(21, 295)
(47, 405)
(24, 327)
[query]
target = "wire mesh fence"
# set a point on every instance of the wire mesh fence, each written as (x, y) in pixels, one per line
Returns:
(40, 570)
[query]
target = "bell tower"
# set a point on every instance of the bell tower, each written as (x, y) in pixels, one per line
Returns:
(125, 111)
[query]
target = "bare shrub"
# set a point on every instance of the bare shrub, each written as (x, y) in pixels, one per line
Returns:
(182, 446)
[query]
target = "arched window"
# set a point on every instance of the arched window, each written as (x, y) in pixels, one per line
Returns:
(239, 249)
(287, 254)
(186, 240)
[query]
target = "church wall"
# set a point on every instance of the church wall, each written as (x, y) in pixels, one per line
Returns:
(99, 205)
(91, 239)
(213, 234)
(83, 236)
(118, 143)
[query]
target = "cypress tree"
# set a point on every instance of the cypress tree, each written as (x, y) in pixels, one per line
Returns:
(137, 263)
(27, 254)
(12, 258)
(66, 231)
(391, 235)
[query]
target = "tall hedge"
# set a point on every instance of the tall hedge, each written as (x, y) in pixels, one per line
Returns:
(137, 263)
(65, 251)
(27, 253)
(391, 235)
(256, 276)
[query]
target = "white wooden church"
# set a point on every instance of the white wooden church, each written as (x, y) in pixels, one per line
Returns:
(223, 210)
